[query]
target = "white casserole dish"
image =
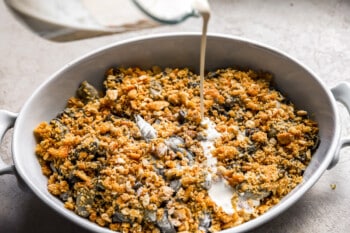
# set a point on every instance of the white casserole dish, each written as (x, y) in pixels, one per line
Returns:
(296, 81)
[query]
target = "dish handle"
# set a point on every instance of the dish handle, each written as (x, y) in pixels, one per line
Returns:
(341, 93)
(7, 120)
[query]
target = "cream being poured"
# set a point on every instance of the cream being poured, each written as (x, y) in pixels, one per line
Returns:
(220, 192)
(202, 6)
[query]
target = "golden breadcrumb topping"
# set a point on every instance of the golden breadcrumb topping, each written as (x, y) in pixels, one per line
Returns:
(131, 157)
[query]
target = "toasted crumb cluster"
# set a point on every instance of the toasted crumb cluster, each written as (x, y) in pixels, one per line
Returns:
(131, 158)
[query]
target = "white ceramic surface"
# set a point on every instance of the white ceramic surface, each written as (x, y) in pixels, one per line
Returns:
(299, 83)
(66, 20)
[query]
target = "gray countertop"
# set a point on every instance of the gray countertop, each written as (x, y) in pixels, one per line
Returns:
(316, 32)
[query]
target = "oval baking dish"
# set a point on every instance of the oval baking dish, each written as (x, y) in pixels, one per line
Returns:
(294, 80)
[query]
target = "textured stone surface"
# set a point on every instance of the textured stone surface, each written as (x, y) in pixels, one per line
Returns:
(316, 32)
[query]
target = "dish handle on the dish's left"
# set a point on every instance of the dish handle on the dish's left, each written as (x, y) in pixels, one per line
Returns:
(341, 93)
(7, 120)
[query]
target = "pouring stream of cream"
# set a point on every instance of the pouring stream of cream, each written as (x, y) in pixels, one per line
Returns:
(220, 192)
(202, 6)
